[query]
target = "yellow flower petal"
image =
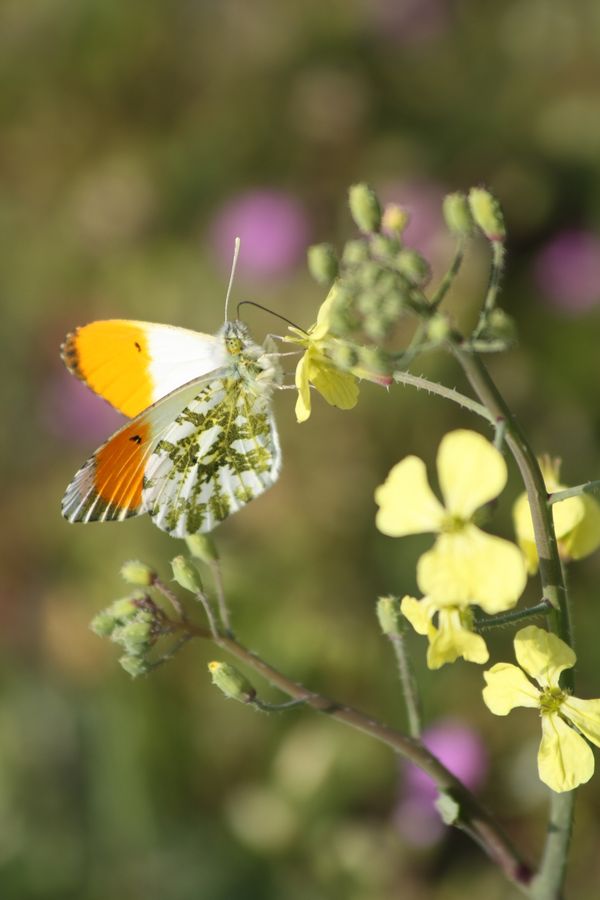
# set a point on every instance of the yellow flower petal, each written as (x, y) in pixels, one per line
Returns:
(338, 388)
(323, 324)
(471, 471)
(453, 640)
(585, 536)
(543, 655)
(407, 503)
(523, 526)
(470, 566)
(585, 714)
(564, 759)
(301, 379)
(507, 686)
(419, 613)
(567, 517)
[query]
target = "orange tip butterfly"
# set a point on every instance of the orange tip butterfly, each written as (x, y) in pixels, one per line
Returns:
(201, 442)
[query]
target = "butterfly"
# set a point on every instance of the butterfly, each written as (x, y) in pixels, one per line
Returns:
(201, 442)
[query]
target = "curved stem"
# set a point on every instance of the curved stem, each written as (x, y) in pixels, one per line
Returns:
(549, 880)
(472, 817)
(433, 387)
(408, 682)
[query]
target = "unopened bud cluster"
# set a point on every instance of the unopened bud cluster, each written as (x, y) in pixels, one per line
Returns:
(135, 624)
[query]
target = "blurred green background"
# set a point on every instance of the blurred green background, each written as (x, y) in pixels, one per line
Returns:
(136, 140)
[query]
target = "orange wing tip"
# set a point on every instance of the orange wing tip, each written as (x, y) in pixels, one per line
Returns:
(69, 354)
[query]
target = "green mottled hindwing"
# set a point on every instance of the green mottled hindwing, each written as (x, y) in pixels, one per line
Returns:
(222, 449)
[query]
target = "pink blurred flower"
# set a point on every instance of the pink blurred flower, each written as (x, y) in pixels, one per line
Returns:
(72, 412)
(412, 21)
(273, 228)
(462, 751)
(567, 271)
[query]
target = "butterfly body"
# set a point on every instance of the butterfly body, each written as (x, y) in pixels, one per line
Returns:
(200, 450)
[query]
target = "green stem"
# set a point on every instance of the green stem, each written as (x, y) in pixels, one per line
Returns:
(472, 817)
(446, 282)
(408, 682)
(498, 254)
(487, 623)
(548, 882)
(433, 387)
(590, 487)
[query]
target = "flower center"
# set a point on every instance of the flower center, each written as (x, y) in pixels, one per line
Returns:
(451, 524)
(551, 700)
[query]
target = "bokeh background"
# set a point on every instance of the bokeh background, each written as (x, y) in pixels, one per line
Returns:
(136, 140)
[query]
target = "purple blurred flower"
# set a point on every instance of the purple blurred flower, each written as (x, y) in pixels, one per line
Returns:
(462, 751)
(567, 271)
(72, 412)
(273, 228)
(412, 21)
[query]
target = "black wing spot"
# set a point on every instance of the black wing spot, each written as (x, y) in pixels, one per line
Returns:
(137, 346)
(136, 438)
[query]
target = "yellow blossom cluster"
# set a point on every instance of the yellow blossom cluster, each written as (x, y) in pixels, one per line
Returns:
(466, 566)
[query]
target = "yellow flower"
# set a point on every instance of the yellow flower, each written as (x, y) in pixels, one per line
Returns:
(465, 565)
(337, 387)
(576, 521)
(451, 638)
(565, 759)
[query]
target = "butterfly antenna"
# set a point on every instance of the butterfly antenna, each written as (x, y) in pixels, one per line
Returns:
(236, 253)
(267, 310)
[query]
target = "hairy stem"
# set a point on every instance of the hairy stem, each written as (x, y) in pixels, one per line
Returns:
(549, 881)
(408, 682)
(433, 387)
(472, 817)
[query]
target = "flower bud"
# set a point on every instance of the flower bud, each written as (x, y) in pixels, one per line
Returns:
(125, 607)
(103, 624)
(186, 575)
(136, 572)
(203, 547)
(343, 355)
(388, 615)
(458, 214)
(501, 326)
(355, 252)
(136, 637)
(413, 265)
(395, 219)
(322, 263)
(487, 214)
(438, 328)
(231, 682)
(384, 247)
(364, 207)
(135, 665)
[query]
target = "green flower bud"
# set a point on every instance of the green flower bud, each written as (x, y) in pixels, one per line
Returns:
(487, 214)
(458, 214)
(364, 207)
(231, 682)
(136, 637)
(135, 665)
(125, 607)
(501, 326)
(355, 252)
(368, 274)
(343, 356)
(438, 328)
(384, 247)
(393, 305)
(389, 615)
(395, 219)
(414, 266)
(103, 624)
(203, 547)
(375, 327)
(186, 575)
(136, 572)
(322, 263)
(374, 364)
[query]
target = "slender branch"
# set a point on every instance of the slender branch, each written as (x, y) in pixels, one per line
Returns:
(170, 595)
(472, 817)
(589, 487)
(498, 254)
(217, 575)
(450, 275)
(212, 623)
(487, 623)
(408, 682)
(433, 387)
